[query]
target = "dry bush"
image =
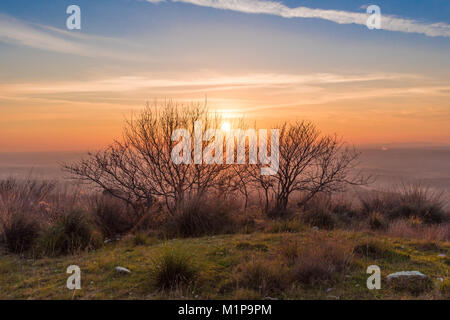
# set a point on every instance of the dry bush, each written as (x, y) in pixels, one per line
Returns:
(197, 218)
(409, 229)
(20, 233)
(407, 201)
(23, 195)
(321, 260)
(320, 217)
(112, 216)
(266, 276)
(22, 212)
(328, 212)
(71, 233)
(377, 221)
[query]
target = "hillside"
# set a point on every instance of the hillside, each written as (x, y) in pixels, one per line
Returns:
(307, 264)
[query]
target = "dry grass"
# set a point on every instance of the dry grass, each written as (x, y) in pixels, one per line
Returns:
(415, 286)
(200, 217)
(173, 270)
(20, 233)
(412, 230)
(321, 260)
(265, 276)
(407, 201)
(444, 288)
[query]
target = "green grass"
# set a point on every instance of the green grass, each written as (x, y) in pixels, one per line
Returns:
(217, 261)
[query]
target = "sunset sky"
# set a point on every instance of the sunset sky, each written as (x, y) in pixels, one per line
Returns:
(66, 89)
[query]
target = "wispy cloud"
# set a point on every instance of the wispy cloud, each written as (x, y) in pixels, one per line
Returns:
(47, 38)
(201, 82)
(248, 92)
(389, 22)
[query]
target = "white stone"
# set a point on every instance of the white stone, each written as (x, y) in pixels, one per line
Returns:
(122, 270)
(406, 274)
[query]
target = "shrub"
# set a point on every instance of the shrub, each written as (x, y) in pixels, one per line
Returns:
(262, 275)
(320, 217)
(409, 229)
(20, 233)
(376, 221)
(407, 201)
(196, 218)
(323, 260)
(111, 216)
(70, 233)
(173, 270)
(24, 195)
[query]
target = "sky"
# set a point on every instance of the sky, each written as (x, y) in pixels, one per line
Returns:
(272, 61)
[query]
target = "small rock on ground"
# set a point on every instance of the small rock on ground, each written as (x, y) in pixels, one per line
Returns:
(406, 274)
(122, 270)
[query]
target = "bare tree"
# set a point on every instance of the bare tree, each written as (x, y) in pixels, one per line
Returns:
(139, 169)
(309, 164)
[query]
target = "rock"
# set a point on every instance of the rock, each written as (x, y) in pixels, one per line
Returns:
(406, 274)
(413, 282)
(315, 229)
(122, 270)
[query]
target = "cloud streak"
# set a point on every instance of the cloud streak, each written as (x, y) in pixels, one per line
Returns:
(200, 82)
(389, 22)
(14, 31)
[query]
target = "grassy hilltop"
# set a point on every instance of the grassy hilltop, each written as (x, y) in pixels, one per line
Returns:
(303, 264)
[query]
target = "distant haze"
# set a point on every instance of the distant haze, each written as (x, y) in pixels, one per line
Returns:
(430, 166)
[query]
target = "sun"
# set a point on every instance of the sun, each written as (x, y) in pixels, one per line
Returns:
(226, 126)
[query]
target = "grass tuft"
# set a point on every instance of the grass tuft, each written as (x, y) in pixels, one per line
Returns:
(70, 234)
(173, 270)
